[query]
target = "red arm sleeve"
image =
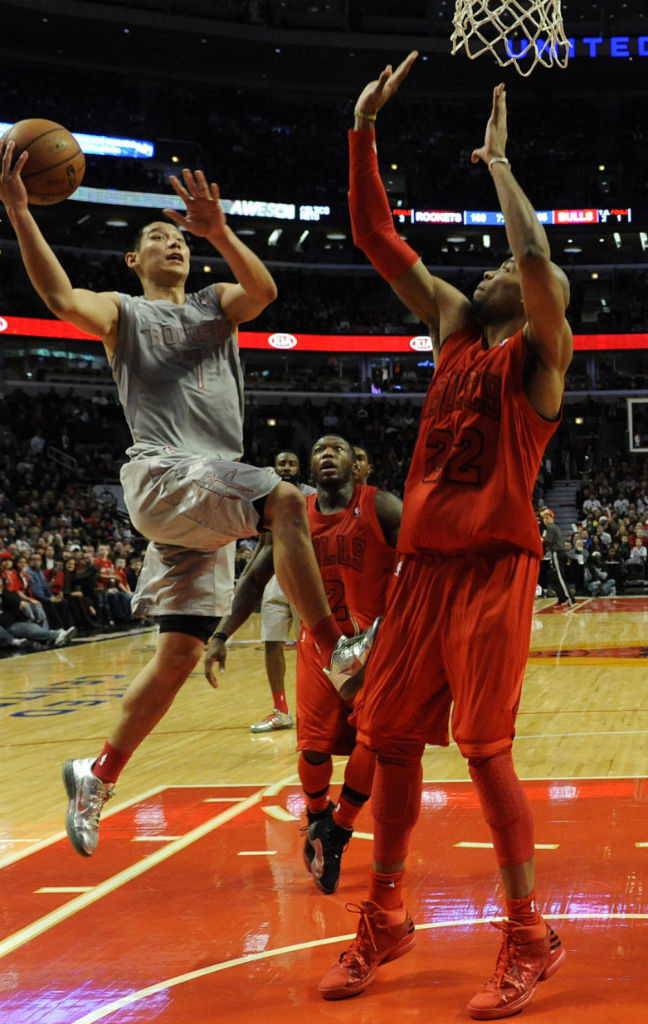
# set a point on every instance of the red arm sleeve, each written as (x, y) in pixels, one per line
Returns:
(372, 223)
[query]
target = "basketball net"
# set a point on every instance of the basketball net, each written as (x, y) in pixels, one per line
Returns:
(519, 32)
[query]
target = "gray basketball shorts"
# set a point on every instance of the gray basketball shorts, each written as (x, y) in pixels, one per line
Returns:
(278, 617)
(194, 502)
(178, 581)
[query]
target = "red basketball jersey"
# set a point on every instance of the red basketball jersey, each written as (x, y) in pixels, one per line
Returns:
(354, 558)
(477, 454)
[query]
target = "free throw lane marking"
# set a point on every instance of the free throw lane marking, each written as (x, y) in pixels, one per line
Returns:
(279, 813)
(489, 846)
(64, 888)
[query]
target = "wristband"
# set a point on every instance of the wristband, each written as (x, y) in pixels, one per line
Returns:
(364, 117)
(219, 636)
(498, 160)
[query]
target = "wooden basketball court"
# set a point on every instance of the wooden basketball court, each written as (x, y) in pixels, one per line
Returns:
(197, 908)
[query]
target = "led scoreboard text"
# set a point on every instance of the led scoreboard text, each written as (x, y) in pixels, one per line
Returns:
(493, 218)
(593, 46)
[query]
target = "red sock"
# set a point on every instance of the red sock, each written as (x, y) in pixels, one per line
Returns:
(523, 911)
(110, 764)
(280, 702)
(346, 811)
(326, 634)
(387, 890)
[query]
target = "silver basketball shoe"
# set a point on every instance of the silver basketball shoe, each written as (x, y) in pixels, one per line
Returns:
(350, 655)
(87, 795)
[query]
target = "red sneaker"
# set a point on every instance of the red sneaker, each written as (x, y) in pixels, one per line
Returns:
(378, 940)
(528, 954)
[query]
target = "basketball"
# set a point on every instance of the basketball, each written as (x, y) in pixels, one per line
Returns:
(56, 164)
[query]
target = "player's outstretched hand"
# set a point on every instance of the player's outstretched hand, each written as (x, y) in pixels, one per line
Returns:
(12, 188)
(374, 95)
(204, 214)
(495, 137)
(215, 656)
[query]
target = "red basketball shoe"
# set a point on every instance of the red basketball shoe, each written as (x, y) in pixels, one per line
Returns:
(378, 940)
(528, 954)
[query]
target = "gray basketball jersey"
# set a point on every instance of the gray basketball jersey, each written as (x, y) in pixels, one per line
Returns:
(179, 377)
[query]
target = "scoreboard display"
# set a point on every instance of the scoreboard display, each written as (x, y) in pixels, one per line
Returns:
(493, 218)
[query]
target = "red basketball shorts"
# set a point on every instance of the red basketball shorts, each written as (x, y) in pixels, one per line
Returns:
(322, 715)
(452, 647)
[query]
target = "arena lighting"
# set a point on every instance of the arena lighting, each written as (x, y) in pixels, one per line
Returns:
(163, 200)
(106, 145)
(387, 344)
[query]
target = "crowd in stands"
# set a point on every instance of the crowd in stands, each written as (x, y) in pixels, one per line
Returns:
(51, 590)
(72, 557)
(323, 300)
(606, 552)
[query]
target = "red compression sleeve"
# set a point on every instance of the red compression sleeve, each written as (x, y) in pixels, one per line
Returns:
(506, 808)
(371, 217)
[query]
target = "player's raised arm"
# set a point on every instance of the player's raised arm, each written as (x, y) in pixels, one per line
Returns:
(95, 312)
(433, 301)
(545, 290)
(255, 288)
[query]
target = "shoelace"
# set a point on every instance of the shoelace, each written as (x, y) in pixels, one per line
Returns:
(98, 797)
(355, 954)
(506, 968)
(271, 717)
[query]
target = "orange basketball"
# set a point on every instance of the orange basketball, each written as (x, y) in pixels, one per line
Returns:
(56, 164)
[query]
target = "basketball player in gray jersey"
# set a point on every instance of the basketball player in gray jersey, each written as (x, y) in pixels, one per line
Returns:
(175, 360)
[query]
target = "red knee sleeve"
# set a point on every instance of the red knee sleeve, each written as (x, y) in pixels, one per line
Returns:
(371, 217)
(506, 808)
(396, 802)
(314, 777)
(360, 768)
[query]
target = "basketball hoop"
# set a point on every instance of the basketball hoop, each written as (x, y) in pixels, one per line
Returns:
(519, 32)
